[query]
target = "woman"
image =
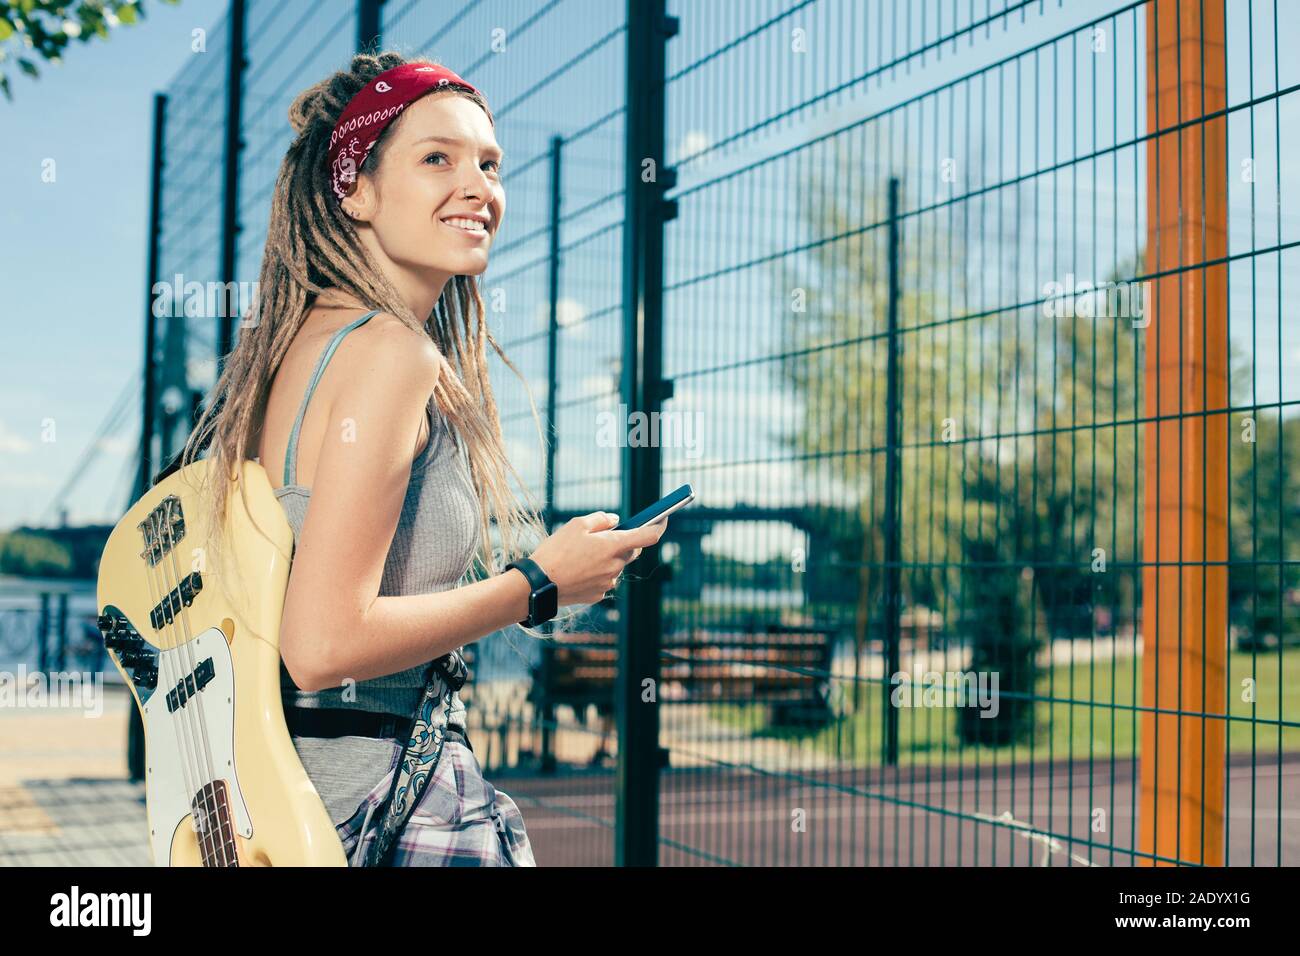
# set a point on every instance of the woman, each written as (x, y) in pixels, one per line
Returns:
(362, 387)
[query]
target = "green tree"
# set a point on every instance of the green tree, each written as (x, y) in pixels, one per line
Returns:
(1050, 504)
(1263, 577)
(33, 556)
(835, 353)
(32, 29)
(1017, 486)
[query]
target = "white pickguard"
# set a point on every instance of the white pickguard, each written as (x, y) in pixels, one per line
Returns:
(200, 736)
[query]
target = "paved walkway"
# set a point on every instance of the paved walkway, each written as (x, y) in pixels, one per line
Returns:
(64, 795)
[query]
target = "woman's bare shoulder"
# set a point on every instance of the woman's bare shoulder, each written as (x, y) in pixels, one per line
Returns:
(388, 348)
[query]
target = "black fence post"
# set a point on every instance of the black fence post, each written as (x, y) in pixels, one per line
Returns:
(545, 716)
(646, 180)
(150, 320)
(148, 466)
(893, 497)
(369, 25)
(61, 632)
(230, 192)
(553, 331)
(43, 635)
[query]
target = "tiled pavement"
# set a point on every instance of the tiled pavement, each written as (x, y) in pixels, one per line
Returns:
(65, 800)
(73, 822)
(64, 795)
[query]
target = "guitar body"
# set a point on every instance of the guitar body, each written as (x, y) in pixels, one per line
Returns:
(199, 646)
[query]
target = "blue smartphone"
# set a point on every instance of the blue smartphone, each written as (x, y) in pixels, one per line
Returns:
(660, 509)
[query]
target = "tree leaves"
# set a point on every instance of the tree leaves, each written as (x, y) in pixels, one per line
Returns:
(47, 27)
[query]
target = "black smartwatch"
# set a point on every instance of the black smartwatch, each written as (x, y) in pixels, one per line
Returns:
(543, 601)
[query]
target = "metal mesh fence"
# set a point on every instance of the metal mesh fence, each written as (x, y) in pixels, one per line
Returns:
(976, 352)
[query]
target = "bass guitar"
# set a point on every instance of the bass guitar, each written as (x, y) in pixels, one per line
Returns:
(199, 648)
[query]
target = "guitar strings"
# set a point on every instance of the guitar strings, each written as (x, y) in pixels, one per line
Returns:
(189, 770)
(201, 716)
(184, 653)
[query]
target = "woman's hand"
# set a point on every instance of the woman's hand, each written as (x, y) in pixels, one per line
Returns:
(585, 556)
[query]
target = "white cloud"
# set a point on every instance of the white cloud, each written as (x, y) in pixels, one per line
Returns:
(754, 541)
(13, 443)
(201, 372)
(570, 312)
(529, 460)
(117, 446)
(694, 141)
(598, 385)
(24, 479)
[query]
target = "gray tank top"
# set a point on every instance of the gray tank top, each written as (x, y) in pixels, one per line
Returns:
(433, 546)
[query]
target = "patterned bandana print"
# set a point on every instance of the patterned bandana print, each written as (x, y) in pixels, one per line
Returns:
(419, 759)
(371, 110)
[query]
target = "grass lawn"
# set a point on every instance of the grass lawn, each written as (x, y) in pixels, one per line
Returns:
(1086, 711)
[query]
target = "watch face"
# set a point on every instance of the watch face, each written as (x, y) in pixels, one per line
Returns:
(548, 601)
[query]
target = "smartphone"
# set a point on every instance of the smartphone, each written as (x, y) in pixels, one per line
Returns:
(660, 509)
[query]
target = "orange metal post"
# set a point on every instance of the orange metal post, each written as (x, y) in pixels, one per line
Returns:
(1184, 603)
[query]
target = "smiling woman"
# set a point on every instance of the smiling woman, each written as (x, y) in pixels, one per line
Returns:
(364, 384)
(407, 177)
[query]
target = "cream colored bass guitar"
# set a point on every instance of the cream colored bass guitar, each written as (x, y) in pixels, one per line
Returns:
(199, 648)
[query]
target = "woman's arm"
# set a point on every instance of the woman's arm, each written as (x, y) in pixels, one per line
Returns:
(335, 625)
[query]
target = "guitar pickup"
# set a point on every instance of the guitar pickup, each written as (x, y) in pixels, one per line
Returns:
(182, 595)
(190, 685)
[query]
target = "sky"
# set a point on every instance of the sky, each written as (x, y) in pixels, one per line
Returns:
(75, 248)
(73, 253)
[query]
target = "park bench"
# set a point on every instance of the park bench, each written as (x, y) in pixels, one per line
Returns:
(786, 667)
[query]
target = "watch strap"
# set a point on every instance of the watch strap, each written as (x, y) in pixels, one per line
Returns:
(537, 578)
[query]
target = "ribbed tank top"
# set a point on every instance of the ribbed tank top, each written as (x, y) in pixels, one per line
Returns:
(433, 545)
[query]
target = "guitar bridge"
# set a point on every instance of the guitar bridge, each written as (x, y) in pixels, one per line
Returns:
(164, 527)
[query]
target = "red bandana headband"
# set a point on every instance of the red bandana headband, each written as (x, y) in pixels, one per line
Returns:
(368, 114)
